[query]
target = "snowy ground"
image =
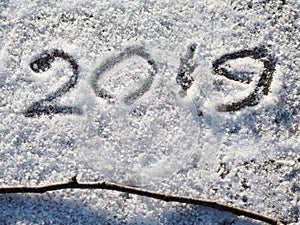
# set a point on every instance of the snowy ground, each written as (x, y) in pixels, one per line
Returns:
(121, 110)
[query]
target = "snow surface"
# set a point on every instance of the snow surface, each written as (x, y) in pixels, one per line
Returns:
(161, 139)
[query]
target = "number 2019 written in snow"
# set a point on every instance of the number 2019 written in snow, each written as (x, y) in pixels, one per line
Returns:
(184, 78)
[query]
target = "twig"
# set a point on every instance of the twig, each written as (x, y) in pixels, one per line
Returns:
(73, 183)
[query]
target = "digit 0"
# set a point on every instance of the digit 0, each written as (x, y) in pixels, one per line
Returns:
(99, 74)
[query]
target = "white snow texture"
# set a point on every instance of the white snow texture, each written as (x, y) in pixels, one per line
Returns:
(197, 98)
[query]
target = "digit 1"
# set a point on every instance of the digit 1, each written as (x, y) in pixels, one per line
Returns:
(186, 68)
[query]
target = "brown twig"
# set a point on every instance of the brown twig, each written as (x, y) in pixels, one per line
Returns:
(73, 183)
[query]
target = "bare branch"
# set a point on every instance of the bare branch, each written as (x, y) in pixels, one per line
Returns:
(73, 183)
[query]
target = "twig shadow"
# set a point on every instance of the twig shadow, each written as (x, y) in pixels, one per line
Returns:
(35, 209)
(203, 216)
(30, 209)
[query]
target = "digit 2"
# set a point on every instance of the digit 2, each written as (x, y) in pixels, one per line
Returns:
(46, 105)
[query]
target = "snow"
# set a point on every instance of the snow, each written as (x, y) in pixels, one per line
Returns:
(149, 132)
